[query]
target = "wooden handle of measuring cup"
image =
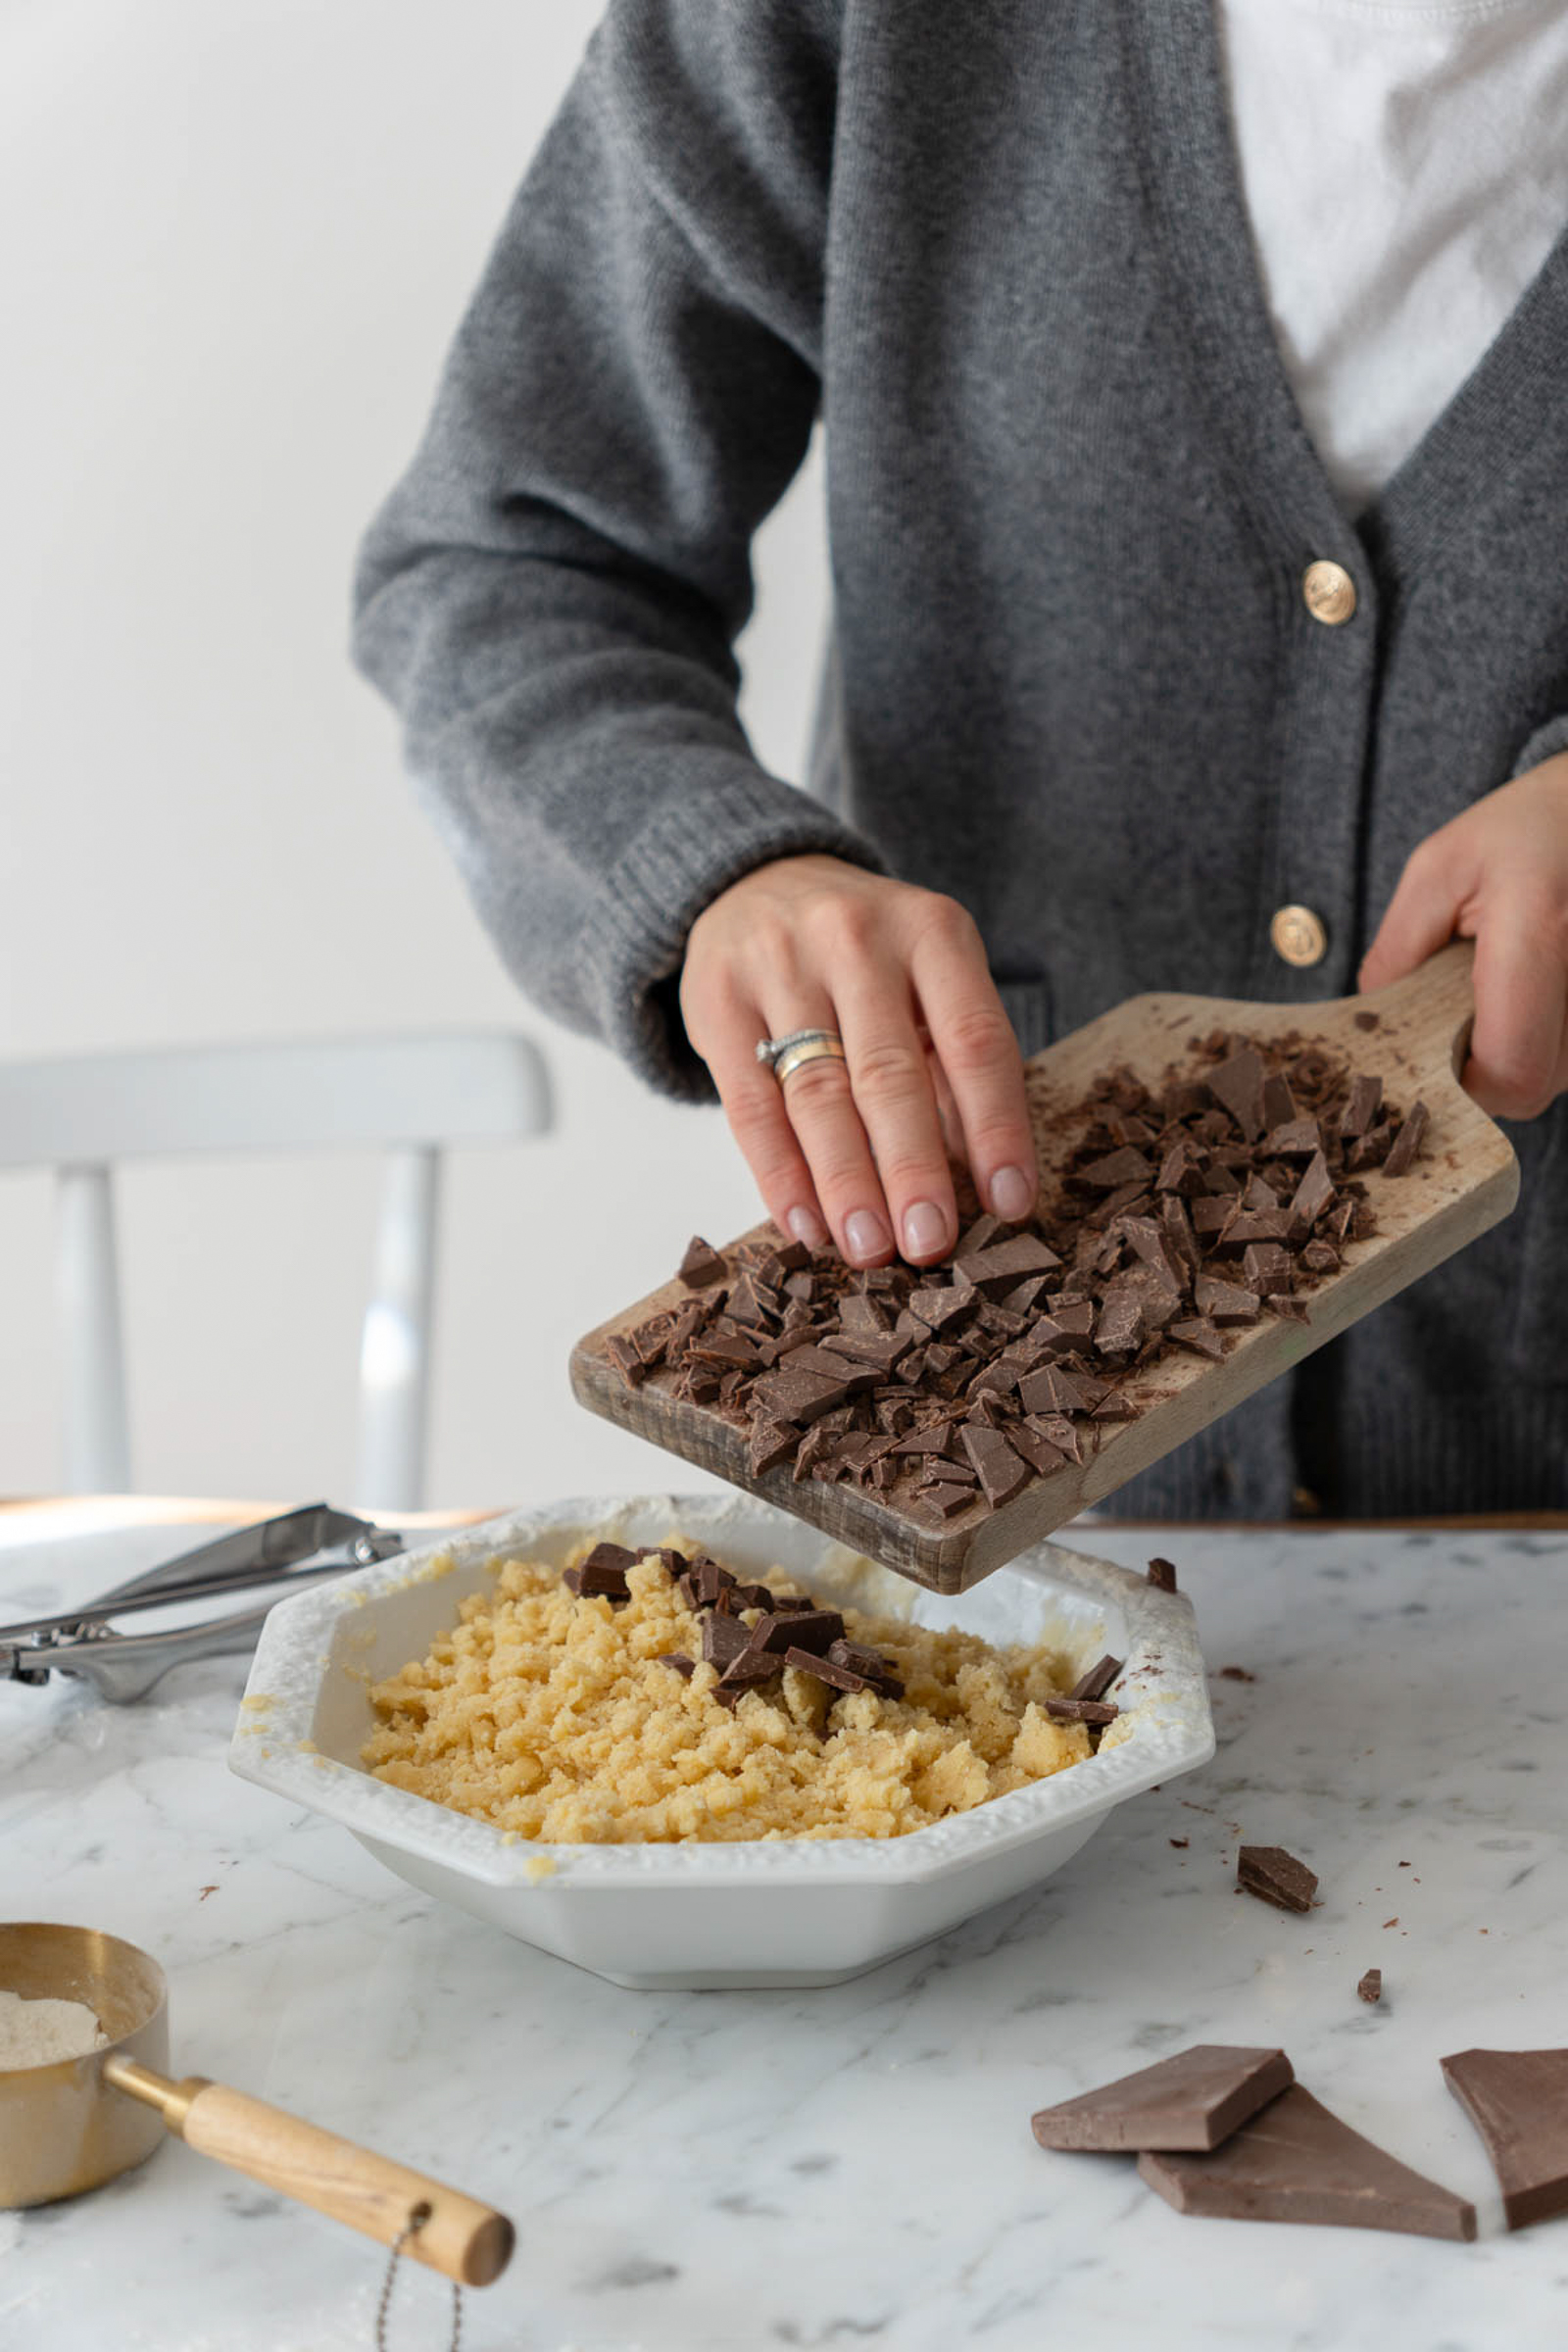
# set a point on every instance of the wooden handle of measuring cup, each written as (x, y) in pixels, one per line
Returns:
(469, 2241)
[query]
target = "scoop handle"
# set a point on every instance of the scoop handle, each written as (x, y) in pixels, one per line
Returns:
(1437, 1004)
(471, 2242)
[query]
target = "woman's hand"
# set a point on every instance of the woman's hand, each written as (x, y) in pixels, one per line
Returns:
(1499, 874)
(857, 1148)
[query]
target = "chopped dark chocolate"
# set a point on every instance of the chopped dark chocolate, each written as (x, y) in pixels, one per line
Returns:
(1236, 1085)
(1275, 1877)
(1098, 1679)
(1224, 1302)
(1407, 1143)
(1202, 1337)
(684, 1666)
(1163, 1574)
(1518, 2102)
(1296, 2162)
(1192, 2101)
(770, 1443)
(1366, 1094)
(1000, 1470)
(825, 1670)
(702, 1265)
(723, 1638)
(1370, 1986)
(1082, 1710)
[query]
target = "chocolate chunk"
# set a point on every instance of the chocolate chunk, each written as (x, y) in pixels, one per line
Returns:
(723, 1638)
(1279, 1104)
(837, 1677)
(618, 1557)
(998, 1268)
(1300, 1139)
(1121, 1324)
(868, 1663)
(701, 1266)
(1114, 1171)
(1192, 2101)
(811, 1629)
(1200, 1336)
(753, 1596)
(1518, 2102)
(1236, 1085)
(1115, 1407)
(1276, 1877)
(1370, 1988)
(797, 1396)
(1296, 2162)
(725, 1349)
(623, 1354)
(770, 1443)
(1224, 1302)
(1281, 1302)
(998, 1469)
(1366, 1095)
(1315, 1192)
(1027, 1439)
(1320, 1258)
(684, 1666)
(979, 1236)
(1098, 1681)
(1407, 1143)
(1163, 1574)
(1368, 1020)
(1082, 1710)
(1180, 1171)
(709, 1580)
(936, 1308)
(944, 1502)
(1266, 1266)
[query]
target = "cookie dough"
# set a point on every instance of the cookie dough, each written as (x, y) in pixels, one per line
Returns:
(552, 1716)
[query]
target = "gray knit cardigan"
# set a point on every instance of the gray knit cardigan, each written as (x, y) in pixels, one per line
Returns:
(1001, 251)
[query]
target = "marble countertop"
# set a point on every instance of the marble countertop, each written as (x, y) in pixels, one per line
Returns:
(852, 2165)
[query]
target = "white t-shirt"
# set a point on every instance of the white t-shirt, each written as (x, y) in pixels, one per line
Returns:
(1405, 167)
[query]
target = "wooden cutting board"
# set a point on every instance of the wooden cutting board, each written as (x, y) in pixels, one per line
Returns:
(1466, 1180)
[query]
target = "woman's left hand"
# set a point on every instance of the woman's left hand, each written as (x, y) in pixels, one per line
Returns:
(1499, 874)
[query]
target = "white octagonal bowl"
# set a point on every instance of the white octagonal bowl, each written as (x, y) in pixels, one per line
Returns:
(781, 1912)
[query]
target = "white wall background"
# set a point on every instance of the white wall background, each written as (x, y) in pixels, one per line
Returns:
(233, 242)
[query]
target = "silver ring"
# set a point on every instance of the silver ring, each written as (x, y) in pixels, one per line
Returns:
(823, 1047)
(772, 1050)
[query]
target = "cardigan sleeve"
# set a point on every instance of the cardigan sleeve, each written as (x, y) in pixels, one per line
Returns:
(1544, 744)
(551, 595)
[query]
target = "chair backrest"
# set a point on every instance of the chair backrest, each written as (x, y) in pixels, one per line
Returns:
(411, 1095)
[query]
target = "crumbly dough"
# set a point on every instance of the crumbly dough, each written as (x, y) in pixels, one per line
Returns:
(549, 1716)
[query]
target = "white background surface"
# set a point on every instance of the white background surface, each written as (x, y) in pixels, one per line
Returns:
(235, 241)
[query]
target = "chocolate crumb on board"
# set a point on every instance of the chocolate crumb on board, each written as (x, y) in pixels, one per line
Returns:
(1187, 1213)
(1370, 1986)
(1178, 1842)
(1163, 1574)
(1275, 1877)
(1237, 1674)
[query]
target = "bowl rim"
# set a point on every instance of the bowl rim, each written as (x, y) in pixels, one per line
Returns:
(1170, 1728)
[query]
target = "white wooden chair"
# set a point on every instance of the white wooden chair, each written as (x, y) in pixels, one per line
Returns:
(413, 1094)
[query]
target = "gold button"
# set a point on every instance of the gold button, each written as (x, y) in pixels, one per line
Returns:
(1298, 935)
(1329, 594)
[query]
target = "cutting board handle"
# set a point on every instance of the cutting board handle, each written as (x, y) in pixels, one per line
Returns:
(1437, 1004)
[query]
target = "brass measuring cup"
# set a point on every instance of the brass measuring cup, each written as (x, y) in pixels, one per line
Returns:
(71, 2126)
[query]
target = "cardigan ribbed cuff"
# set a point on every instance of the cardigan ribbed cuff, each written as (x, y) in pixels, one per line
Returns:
(696, 844)
(1544, 744)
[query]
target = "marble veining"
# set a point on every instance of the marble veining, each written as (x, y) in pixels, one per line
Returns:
(851, 2165)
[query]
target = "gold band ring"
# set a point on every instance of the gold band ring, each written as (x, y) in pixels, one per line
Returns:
(825, 1046)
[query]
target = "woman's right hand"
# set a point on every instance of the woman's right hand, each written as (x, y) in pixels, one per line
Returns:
(855, 1149)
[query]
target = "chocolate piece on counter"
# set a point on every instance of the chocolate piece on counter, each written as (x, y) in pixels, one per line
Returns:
(1407, 1143)
(1315, 1192)
(684, 1666)
(1370, 1988)
(1236, 1085)
(701, 1266)
(1192, 2101)
(1276, 1877)
(1098, 1681)
(770, 1443)
(1518, 2102)
(1097, 1711)
(1296, 2162)
(1000, 1470)
(723, 1638)
(837, 1677)
(1202, 1338)
(1366, 1094)
(1163, 1574)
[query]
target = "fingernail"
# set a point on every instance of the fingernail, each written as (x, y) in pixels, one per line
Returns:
(925, 1230)
(866, 1235)
(804, 1227)
(1011, 1193)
